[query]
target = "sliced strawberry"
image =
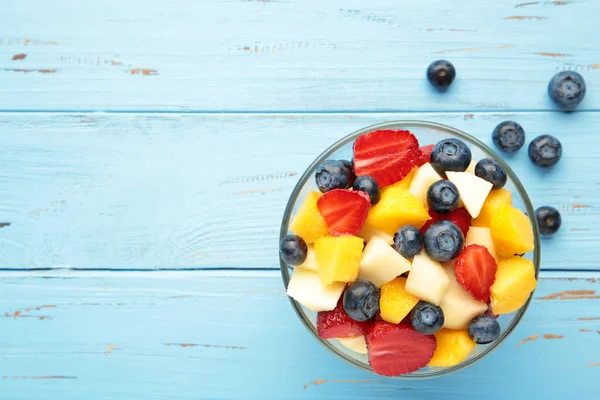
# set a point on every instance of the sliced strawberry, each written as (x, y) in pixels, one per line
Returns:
(344, 211)
(337, 324)
(386, 155)
(425, 154)
(460, 217)
(475, 270)
(398, 349)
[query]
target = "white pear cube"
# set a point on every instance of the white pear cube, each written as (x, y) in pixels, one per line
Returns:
(472, 189)
(458, 305)
(305, 287)
(424, 178)
(427, 279)
(368, 232)
(311, 259)
(483, 237)
(380, 263)
(357, 344)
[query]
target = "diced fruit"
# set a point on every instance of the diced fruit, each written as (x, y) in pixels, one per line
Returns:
(450, 155)
(442, 197)
(361, 300)
(368, 233)
(405, 182)
(369, 186)
(548, 219)
(381, 263)
(330, 175)
(398, 349)
(490, 170)
(440, 74)
(394, 302)
(453, 347)
(338, 258)
(344, 211)
(484, 329)
(408, 241)
(473, 190)
(471, 168)
(427, 318)
(305, 287)
(311, 259)
(443, 240)
(475, 270)
(508, 136)
(545, 151)
(427, 279)
(458, 305)
(423, 179)
(515, 280)
(425, 154)
(511, 231)
(460, 217)
(356, 344)
(386, 155)
(483, 237)
(337, 324)
(397, 208)
(495, 199)
(293, 250)
(308, 222)
(567, 89)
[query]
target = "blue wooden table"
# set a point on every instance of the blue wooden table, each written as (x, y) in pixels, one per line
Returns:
(148, 149)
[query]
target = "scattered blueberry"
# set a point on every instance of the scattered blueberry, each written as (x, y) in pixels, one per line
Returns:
(548, 219)
(567, 89)
(545, 150)
(331, 174)
(443, 240)
(441, 73)
(408, 241)
(361, 300)
(443, 197)
(427, 318)
(490, 170)
(368, 185)
(350, 168)
(484, 329)
(450, 155)
(508, 136)
(293, 250)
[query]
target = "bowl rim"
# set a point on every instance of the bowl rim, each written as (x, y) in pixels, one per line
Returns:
(406, 124)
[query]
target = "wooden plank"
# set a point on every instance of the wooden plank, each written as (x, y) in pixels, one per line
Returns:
(191, 335)
(290, 55)
(192, 191)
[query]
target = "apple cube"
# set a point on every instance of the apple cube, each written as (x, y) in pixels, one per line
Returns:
(357, 344)
(481, 236)
(424, 178)
(368, 232)
(427, 279)
(472, 189)
(305, 287)
(458, 305)
(380, 263)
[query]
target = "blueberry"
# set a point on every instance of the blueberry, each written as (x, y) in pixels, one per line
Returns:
(508, 136)
(443, 240)
(484, 329)
(490, 170)
(450, 155)
(331, 174)
(548, 219)
(427, 318)
(567, 89)
(408, 241)
(545, 150)
(293, 250)
(441, 73)
(368, 185)
(350, 168)
(443, 197)
(361, 300)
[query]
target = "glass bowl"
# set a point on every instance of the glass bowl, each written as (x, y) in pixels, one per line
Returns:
(426, 132)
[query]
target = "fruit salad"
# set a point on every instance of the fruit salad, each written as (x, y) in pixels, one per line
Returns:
(409, 253)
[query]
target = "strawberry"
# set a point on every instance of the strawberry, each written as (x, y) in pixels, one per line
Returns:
(398, 349)
(425, 154)
(475, 271)
(337, 324)
(387, 156)
(344, 211)
(460, 217)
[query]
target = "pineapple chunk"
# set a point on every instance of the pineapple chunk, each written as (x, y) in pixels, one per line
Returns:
(357, 344)
(394, 302)
(472, 189)
(381, 263)
(308, 222)
(471, 167)
(481, 236)
(405, 182)
(495, 199)
(458, 305)
(453, 347)
(368, 232)
(511, 231)
(305, 287)
(338, 258)
(515, 280)
(425, 177)
(427, 279)
(311, 259)
(397, 208)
